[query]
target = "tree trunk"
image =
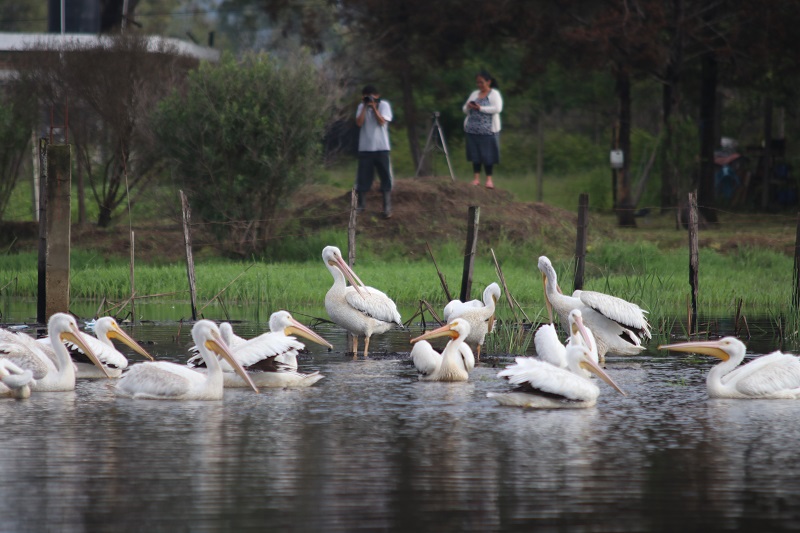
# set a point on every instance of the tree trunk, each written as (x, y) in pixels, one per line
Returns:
(708, 103)
(624, 206)
(670, 97)
(104, 218)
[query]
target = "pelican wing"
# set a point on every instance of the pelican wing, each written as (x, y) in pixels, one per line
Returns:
(548, 347)
(158, 379)
(536, 377)
(467, 356)
(267, 345)
(621, 311)
(23, 351)
(425, 358)
(374, 304)
(456, 308)
(767, 375)
(108, 355)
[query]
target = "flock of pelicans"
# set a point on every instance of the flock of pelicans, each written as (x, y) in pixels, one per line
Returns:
(559, 377)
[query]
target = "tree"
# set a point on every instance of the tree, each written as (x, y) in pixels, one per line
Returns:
(16, 119)
(110, 88)
(242, 135)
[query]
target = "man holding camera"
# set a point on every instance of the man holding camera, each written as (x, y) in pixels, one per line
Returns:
(373, 117)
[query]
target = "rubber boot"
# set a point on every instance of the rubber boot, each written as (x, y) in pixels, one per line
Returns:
(387, 204)
(360, 201)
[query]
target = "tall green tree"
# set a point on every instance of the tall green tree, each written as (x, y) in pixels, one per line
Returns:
(242, 135)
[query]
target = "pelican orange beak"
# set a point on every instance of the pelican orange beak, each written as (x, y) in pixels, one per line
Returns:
(117, 333)
(491, 318)
(218, 346)
(74, 336)
(594, 368)
(711, 348)
(546, 299)
(578, 325)
(444, 331)
(355, 281)
(304, 331)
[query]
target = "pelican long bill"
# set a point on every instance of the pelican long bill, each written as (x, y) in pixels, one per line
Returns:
(348, 272)
(444, 331)
(304, 331)
(593, 367)
(74, 336)
(546, 299)
(218, 346)
(119, 334)
(711, 348)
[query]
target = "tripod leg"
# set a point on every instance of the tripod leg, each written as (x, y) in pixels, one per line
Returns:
(425, 151)
(446, 153)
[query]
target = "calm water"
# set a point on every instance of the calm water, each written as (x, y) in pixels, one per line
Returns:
(370, 448)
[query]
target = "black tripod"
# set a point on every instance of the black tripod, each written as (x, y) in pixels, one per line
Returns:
(436, 128)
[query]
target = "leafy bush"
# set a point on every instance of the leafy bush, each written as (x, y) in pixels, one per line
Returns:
(242, 135)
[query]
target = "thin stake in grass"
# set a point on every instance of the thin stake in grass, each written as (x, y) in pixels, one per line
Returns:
(223, 289)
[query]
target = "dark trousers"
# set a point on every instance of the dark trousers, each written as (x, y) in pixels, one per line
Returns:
(368, 163)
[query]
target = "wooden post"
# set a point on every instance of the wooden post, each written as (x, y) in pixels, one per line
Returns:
(41, 311)
(796, 292)
(187, 240)
(693, 258)
(58, 186)
(469, 251)
(580, 242)
(539, 159)
(133, 285)
(351, 229)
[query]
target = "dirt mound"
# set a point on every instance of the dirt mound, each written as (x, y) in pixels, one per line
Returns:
(435, 209)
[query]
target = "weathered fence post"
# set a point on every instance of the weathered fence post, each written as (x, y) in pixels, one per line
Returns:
(351, 243)
(693, 259)
(796, 292)
(187, 240)
(133, 283)
(469, 252)
(580, 241)
(58, 188)
(41, 311)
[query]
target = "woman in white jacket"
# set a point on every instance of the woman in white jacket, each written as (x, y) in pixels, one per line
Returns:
(482, 127)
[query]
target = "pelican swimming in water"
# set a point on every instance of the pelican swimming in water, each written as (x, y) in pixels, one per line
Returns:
(162, 380)
(361, 310)
(113, 361)
(454, 363)
(56, 374)
(540, 385)
(549, 348)
(14, 382)
(271, 358)
(618, 325)
(773, 376)
(479, 314)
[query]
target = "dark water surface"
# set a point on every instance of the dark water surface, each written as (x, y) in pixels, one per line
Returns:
(369, 448)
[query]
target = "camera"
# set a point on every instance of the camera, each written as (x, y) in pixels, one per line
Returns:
(368, 99)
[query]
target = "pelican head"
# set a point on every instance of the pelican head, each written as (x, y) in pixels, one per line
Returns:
(457, 329)
(206, 334)
(333, 259)
(63, 328)
(580, 358)
(725, 348)
(108, 327)
(284, 322)
(576, 327)
(546, 268)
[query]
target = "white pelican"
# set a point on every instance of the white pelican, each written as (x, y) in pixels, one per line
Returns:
(271, 358)
(161, 380)
(549, 348)
(454, 363)
(618, 325)
(14, 382)
(114, 362)
(361, 310)
(51, 375)
(231, 339)
(540, 385)
(770, 377)
(479, 314)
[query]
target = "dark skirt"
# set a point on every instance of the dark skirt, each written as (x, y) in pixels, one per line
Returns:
(483, 149)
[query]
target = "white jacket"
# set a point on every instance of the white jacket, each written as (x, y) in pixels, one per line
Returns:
(494, 108)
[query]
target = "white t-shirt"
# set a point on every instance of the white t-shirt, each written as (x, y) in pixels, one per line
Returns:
(373, 137)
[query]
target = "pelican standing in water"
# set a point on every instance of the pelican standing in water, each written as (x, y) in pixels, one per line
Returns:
(162, 380)
(454, 363)
(771, 377)
(549, 348)
(479, 314)
(361, 310)
(540, 385)
(113, 361)
(50, 375)
(14, 382)
(618, 325)
(271, 358)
